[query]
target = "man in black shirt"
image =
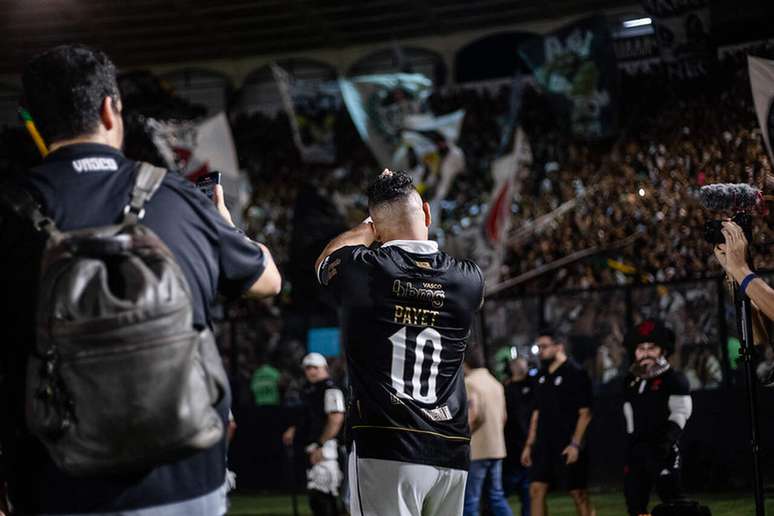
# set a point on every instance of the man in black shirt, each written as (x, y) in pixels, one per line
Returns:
(85, 181)
(555, 451)
(657, 404)
(320, 421)
(519, 404)
(406, 311)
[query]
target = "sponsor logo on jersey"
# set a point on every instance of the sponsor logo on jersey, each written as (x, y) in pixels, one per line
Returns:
(94, 164)
(423, 265)
(431, 293)
(438, 414)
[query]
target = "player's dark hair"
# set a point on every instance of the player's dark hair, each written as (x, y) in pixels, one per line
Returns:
(388, 188)
(64, 88)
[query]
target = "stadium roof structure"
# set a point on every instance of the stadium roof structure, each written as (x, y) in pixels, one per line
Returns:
(138, 32)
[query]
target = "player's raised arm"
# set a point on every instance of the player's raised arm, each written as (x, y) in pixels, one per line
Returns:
(362, 234)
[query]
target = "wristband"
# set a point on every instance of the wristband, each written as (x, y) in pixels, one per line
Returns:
(746, 282)
(575, 445)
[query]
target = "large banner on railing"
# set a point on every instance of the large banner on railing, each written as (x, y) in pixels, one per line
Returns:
(311, 107)
(576, 67)
(682, 31)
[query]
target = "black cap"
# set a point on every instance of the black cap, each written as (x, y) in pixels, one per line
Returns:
(650, 330)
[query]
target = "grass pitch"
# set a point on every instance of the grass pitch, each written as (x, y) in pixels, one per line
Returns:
(609, 503)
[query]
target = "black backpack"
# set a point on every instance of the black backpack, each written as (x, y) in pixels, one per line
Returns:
(680, 508)
(119, 380)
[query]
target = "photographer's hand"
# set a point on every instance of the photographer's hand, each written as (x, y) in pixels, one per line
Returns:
(219, 199)
(733, 254)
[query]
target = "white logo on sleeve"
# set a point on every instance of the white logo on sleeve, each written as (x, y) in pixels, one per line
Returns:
(94, 164)
(558, 381)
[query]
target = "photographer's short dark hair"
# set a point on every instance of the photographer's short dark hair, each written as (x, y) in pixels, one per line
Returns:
(64, 88)
(389, 188)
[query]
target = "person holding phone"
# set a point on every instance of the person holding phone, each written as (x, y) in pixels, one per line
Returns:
(85, 181)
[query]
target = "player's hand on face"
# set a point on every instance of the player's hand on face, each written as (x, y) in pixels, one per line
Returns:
(571, 454)
(526, 457)
(316, 456)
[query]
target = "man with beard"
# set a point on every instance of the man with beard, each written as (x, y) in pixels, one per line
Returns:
(555, 449)
(656, 407)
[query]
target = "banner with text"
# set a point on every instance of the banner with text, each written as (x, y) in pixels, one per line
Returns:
(576, 67)
(683, 34)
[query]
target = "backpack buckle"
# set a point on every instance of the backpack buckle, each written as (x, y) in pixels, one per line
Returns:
(137, 213)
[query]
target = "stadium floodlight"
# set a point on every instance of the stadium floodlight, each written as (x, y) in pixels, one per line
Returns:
(637, 22)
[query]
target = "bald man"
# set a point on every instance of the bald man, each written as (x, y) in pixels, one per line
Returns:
(406, 313)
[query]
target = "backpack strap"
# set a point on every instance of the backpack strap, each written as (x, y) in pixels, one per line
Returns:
(147, 180)
(22, 203)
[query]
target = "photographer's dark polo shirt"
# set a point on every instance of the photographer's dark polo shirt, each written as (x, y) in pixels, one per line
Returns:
(86, 185)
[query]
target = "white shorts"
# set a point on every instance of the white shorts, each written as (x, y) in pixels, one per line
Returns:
(393, 488)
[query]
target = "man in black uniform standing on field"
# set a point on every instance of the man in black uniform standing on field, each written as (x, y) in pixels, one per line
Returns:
(320, 423)
(406, 315)
(555, 451)
(657, 404)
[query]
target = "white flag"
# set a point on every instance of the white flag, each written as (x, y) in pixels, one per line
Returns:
(379, 105)
(195, 148)
(762, 84)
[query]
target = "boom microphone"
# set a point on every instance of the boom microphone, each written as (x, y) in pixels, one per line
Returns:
(730, 197)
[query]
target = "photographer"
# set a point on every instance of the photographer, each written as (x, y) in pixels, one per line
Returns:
(85, 181)
(732, 256)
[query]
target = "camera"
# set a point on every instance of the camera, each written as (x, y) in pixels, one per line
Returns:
(713, 235)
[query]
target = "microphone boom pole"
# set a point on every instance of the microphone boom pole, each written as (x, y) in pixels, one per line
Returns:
(743, 308)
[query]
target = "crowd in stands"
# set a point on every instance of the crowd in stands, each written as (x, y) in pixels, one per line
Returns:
(674, 137)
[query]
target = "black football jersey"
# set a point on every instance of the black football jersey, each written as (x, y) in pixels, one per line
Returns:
(559, 396)
(406, 311)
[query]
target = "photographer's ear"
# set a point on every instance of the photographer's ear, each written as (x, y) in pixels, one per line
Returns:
(110, 112)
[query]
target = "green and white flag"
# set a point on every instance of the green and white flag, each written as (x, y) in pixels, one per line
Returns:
(379, 105)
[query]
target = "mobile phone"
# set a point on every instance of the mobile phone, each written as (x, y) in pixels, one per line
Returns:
(206, 183)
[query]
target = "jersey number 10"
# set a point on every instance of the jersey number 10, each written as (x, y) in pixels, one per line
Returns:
(401, 345)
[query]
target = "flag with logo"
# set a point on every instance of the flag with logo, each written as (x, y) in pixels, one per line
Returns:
(576, 68)
(311, 107)
(762, 85)
(379, 105)
(196, 148)
(428, 150)
(683, 35)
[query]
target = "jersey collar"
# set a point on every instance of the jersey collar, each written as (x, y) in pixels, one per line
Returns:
(79, 149)
(415, 246)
